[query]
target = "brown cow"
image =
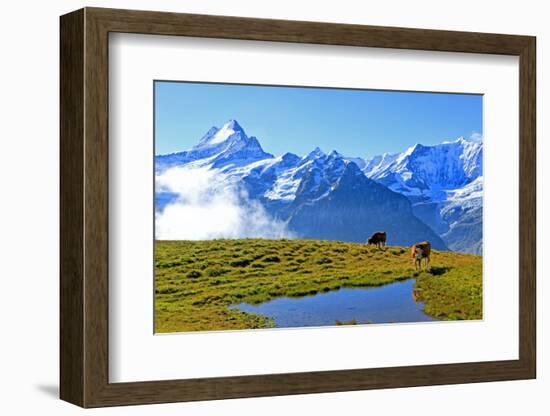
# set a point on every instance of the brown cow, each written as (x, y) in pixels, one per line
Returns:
(421, 251)
(378, 239)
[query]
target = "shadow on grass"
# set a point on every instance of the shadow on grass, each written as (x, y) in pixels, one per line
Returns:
(438, 271)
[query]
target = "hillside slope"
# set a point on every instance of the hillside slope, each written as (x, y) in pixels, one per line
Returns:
(196, 281)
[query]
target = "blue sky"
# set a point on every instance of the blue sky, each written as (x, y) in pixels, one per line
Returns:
(292, 119)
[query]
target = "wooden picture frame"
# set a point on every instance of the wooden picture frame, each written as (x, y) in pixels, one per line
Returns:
(84, 207)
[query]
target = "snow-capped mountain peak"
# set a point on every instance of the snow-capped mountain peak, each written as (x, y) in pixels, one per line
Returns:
(314, 154)
(335, 154)
(475, 138)
(219, 147)
(360, 162)
(379, 163)
(425, 171)
(209, 134)
(215, 136)
(410, 150)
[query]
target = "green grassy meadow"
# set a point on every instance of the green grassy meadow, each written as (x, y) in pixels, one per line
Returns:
(196, 281)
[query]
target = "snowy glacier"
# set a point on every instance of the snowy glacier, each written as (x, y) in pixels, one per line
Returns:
(445, 184)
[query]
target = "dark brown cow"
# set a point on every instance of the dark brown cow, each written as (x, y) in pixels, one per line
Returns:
(421, 251)
(378, 239)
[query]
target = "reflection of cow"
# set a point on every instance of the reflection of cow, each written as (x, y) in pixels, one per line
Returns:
(378, 239)
(421, 251)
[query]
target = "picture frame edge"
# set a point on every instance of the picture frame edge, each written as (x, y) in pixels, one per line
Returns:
(84, 216)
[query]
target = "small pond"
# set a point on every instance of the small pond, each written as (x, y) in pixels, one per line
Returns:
(390, 303)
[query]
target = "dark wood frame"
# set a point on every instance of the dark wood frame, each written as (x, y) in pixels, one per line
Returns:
(84, 207)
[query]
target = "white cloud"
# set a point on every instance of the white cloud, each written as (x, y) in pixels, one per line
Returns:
(209, 205)
(476, 137)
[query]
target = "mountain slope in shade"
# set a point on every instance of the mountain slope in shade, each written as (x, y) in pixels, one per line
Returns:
(354, 208)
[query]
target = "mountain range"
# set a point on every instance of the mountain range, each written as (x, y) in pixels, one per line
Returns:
(425, 193)
(444, 183)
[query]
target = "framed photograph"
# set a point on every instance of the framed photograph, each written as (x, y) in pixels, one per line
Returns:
(255, 207)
